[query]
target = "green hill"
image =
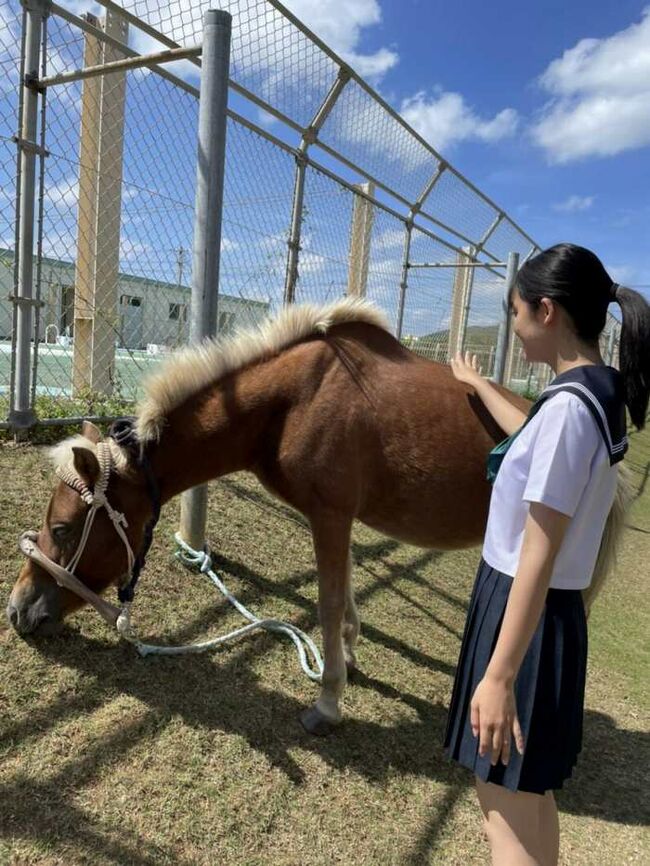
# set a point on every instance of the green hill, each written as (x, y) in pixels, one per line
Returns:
(476, 336)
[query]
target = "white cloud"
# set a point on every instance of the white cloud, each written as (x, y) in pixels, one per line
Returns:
(262, 44)
(64, 195)
(340, 26)
(132, 250)
(390, 238)
(445, 119)
(227, 245)
(600, 97)
(310, 263)
(60, 245)
(575, 203)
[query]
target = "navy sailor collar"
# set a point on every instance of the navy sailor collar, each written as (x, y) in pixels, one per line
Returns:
(602, 391)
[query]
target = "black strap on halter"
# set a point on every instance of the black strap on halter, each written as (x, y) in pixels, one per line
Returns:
(123, 432)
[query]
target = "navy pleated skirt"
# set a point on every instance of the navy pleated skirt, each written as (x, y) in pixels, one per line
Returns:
(549, 688)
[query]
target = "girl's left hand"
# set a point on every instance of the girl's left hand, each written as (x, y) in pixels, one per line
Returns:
(494, 719)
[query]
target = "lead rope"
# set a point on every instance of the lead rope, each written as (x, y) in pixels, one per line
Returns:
(194, 559)
(200, 561)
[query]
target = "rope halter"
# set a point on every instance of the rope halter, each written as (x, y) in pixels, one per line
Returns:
(95, 499)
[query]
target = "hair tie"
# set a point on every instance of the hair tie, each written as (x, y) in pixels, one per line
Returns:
(613, 291)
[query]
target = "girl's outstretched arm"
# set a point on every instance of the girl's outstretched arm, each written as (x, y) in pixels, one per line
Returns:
(507, 416)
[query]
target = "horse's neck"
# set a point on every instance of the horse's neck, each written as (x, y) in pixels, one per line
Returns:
(216, 431)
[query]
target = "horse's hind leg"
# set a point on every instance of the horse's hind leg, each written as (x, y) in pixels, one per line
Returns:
(331, 533)
(351, 624)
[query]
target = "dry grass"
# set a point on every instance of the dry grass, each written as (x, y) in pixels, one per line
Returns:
(107, 758)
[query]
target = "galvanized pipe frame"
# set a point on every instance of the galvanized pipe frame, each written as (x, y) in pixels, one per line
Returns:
(488, 265)
(504, 325)
(40, 219)
(17, 212)
(21, 415)
(391, 111)
(309, 136)
(136, 61)
(85, 25)
(295, 152)
(345, 74)
(353, 76)
(208, 212)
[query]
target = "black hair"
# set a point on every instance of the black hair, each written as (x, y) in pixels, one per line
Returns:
(575, 278)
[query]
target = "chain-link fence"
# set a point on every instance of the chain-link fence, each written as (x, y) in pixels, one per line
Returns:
(327, 192)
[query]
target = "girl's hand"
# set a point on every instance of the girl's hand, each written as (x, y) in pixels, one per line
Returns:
(466, 369)
(494, 719)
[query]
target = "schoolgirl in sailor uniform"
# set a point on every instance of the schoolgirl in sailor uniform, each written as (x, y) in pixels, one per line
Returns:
(522, 665)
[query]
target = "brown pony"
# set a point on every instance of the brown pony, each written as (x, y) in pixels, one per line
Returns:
(333, 415)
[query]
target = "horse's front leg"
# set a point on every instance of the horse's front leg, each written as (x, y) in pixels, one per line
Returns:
(331, 534)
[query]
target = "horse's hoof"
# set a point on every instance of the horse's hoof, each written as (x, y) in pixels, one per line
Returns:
(314, 722)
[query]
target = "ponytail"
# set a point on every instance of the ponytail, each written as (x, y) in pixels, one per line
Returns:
(634, 352)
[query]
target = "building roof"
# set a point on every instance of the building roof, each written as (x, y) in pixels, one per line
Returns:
(133, 279)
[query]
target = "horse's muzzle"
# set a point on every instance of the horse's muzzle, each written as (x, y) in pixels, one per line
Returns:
(33, 619)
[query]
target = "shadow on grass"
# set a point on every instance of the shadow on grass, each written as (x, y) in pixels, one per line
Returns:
(257, 585)
(45, 811)
(610, 781)
(237, 703)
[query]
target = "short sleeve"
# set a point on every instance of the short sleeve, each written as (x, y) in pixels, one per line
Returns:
(566, 441)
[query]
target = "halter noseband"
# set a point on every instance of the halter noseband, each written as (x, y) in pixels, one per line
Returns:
(123, 433)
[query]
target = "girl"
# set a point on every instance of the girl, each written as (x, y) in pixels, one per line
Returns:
(515, 718)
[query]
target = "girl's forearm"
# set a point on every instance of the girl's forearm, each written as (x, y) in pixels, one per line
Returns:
(543, 536)
(520, 620)
(507, 416)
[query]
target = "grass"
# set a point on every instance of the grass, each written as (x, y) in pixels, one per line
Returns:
(107, 758)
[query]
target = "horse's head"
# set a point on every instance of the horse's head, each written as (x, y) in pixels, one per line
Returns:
(92, 548)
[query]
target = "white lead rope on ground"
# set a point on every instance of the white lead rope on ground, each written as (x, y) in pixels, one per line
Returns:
(201, 560)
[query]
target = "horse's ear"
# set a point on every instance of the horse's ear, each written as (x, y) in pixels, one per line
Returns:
(91, 432)
(86, 465)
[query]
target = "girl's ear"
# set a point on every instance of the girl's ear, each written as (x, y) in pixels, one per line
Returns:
(547, 311)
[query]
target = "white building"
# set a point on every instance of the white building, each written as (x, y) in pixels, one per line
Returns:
(149, 312)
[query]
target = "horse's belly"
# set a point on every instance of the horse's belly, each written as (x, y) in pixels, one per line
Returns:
(446, 517)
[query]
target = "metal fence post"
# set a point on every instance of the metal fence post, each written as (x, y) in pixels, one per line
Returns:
(309, 136)
(610, 343)
(291, 276)
(22, 414)
(215, 66)
(504, 324)
(403, 285)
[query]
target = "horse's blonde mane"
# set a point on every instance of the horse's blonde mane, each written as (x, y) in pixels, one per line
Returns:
(191, 369)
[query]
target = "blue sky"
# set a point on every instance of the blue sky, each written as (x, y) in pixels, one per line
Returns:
(571, 159)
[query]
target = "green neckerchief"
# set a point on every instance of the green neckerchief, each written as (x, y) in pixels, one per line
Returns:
(496, 455)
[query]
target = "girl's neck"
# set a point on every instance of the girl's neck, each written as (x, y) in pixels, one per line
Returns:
(576, 355)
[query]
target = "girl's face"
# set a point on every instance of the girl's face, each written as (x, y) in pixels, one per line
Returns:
(531, 326)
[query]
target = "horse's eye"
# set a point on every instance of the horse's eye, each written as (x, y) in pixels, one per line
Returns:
(60, 532)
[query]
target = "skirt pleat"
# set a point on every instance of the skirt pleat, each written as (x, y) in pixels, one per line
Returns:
(549, 688)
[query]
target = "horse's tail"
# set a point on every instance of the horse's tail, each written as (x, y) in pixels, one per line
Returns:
(610, 543)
